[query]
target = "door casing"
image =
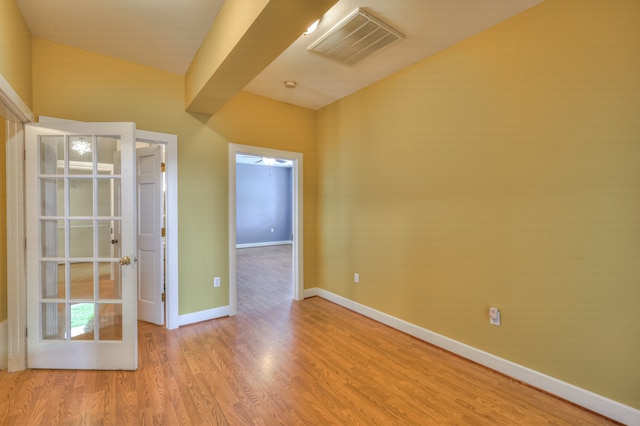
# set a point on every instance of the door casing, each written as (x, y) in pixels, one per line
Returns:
(16, 113)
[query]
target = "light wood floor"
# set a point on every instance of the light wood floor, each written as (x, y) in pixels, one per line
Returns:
(281, 362)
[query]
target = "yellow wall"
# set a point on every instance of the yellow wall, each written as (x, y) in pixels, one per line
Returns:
(15, 49)
(503, 171)
(76, 84)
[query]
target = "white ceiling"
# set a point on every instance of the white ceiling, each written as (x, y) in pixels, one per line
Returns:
(258, 161)
(166, 34)
(429, 26)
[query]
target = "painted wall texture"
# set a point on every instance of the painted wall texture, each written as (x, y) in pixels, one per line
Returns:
(15, 49)
(76, 84)
(263, 204)
(504, 171)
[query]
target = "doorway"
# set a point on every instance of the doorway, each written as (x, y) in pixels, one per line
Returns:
(264, 204)
(151, 211)
(297, 266)
(170, 190)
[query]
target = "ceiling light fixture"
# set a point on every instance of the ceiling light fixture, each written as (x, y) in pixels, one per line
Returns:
(269, 161)
(312, 27)
(289, 84)
(81, 146)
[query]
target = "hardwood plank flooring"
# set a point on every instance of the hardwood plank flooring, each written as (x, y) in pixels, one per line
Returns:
(282, 362)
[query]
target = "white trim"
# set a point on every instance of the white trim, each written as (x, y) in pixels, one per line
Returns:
(297, 215)
(171, 158)
(209, 314)
(265, 244)
(16, 113)
(313, 292)
(11, 102)
(16, 237)
(3, 345)
(582, 397)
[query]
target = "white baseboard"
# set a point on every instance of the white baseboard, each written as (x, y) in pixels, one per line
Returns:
(199, 316)
(582, 397)
(315, 291)
(4, 345)
(265, 244)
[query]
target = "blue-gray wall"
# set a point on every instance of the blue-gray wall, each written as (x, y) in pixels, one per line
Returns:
(263, 202)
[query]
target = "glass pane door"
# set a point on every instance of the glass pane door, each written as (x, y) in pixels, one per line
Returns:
(79, 307)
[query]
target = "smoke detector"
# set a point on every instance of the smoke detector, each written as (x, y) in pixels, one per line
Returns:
(355, 37)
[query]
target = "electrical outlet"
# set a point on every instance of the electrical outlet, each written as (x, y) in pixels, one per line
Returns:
(216, 282)
(356, 278)
(494, 316)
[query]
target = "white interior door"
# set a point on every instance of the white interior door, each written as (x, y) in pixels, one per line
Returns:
(79, 314)
(150, 244)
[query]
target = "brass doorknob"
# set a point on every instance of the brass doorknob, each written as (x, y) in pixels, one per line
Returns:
(125, 260)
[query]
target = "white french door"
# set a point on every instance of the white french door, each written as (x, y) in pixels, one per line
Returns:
(81, 278)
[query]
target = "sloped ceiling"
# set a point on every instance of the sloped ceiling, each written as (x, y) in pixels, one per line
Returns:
(166, 34)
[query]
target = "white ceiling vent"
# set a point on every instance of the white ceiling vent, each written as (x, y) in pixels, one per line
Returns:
(354, 38)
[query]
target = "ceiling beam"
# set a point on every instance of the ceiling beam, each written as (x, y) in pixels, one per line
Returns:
(246, 36)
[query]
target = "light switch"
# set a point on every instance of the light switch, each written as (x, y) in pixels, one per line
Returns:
(494, 316)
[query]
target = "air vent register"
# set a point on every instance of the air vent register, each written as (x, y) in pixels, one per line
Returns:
(354, 38)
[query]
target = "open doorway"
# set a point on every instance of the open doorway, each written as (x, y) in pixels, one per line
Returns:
(167, 295)
(264, 231)
(296, 233)
(151, 248)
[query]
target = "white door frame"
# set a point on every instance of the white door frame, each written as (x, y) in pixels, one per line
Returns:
(297, 228)
(16, 113)
(170, 143)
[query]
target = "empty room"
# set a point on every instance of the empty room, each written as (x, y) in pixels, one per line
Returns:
(460, 243)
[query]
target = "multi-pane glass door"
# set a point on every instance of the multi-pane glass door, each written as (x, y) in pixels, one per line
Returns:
(76, 271)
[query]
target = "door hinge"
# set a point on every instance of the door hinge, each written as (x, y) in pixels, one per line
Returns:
(164, 297)
(26, 332)
(163, 167)
(163, 232)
